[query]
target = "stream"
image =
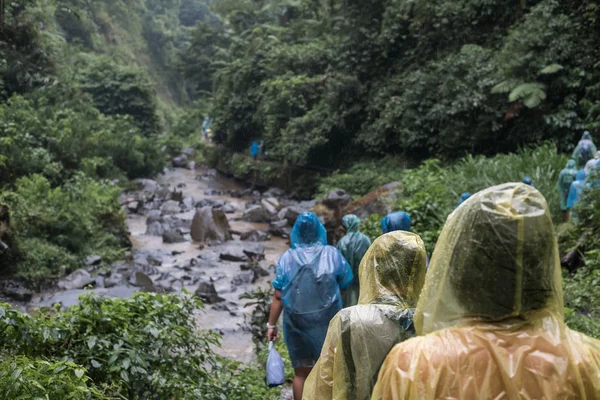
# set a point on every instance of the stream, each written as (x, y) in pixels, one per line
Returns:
(174, 266)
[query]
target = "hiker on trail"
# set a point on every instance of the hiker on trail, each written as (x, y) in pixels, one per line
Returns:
(353, 247)
(206, 124)
(359, 338)
(576, 192)
(567, 176)
(254, 149)
(490, 318)
(528, 181)
(464, 197)
(398, 221)
(585, 150)
(592, 164)
(308, 284)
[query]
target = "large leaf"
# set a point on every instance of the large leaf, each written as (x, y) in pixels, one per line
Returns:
(532, 94)
(551, 69)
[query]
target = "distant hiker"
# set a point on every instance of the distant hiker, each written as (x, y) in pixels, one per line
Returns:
(592, 164)
(254, 149)
(585, 150)
(576, 192)
(528, 181)
(308, 284)
(353, 247)
(464, 197)
(567, 176)
(206, 124)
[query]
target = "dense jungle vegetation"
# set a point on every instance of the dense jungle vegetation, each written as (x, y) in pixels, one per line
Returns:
(94, 94)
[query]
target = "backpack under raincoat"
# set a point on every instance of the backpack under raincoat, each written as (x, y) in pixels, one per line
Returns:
(353, 247)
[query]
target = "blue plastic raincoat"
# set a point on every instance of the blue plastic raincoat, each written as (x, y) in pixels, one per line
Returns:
(464, 197)
(310, 277)
(576, 190)
(399, 221)
(528, 181)
(585, 150)
(353, 247)
(567, 176)
(254, 149)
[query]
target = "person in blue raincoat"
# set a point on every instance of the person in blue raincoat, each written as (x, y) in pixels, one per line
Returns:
(254, 149)
(398, 221)
(464, 197)
(585, 150)
(576, 192)
(308, 284)
(528, 181)
(353, 247)
(206, 124)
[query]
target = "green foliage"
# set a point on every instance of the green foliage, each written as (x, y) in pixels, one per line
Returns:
(371, 226)
(147, 347)
(119, 90)
(21, 378)
(59, 226)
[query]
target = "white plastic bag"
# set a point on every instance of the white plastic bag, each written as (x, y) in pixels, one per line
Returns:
(275, 369)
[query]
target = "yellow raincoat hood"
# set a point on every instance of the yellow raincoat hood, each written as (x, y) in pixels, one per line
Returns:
(359, 338)
(490, 317)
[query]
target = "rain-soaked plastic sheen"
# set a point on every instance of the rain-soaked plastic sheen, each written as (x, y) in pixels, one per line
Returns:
(353, 247)
(392, 274)
(492, 312)
(310, 277)
(398, 221)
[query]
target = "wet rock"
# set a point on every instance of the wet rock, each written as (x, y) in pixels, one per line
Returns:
(256, 269)
(155, 229)
(256, 214)
(270, 210)
(170, 207)
(148, 185)
(154, 259)
(217, 277)
(179, 161)
(77, 280)
(207, 292)
(15, 291)
(228, 209)
(153, 216)
(274, 192)
(221, 307)
(192, 165)
(93, 261)
(255, 236)
(210, 224)
(255, 253)
(235, 255)
(293, 213)
(188, 204)
(133, 207)
(189, 152)
(280, 229)
(177, 196)
(142, 280)
(173, 237)
(245, 278)
(274, 202)
(113, 280)
(212, 192)
(336, 198)
(99, 282)
(377, 202)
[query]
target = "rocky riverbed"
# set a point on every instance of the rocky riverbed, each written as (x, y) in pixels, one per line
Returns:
(190, 229)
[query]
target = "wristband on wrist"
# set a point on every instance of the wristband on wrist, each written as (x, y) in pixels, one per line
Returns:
(269, 326)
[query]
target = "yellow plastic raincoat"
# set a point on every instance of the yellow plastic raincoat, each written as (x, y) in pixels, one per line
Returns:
(392, 274)
(492, 312)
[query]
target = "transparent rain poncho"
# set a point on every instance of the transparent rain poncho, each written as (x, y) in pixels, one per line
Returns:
(310, 277)
(398, 221)
(592, 164)
(567, 176)
(491, 311)
(585, 150)
(576, 190)
(392, 274)
(353, 247)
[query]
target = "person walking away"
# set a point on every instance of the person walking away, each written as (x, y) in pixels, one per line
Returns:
(206, 124)
(353, 247)
(308, 284)
(592, 164)
(576, 193)
(567, 176)
(490, 318)
(254, 150)
(463, 197)
(398, 221)
(359, 338)
(528, 181)
(585, 150)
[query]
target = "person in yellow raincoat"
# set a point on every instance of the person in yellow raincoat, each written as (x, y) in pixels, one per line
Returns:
(492, 312)
(392, 274)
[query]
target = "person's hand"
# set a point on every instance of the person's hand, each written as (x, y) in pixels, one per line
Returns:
(272, 334)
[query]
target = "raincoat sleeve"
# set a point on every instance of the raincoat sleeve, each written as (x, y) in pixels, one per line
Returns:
(573, 196)
(343, 270)
(281, 278)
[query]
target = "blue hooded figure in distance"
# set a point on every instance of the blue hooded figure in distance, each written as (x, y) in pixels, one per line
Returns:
(310, 278)
(464, 197)
(398, 221)
(576, 191)
(254, 149)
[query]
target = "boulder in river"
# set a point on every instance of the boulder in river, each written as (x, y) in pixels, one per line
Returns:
(142, 280)
(76, 280)
(255, 253)
(173, 237)
(15, 291)
(210, 224)
(93, 261)
(255, 236)
(269, 209)
(243, 278)
(180, 161)
(377, 202)
(228, 209)
(207, 292)
(336, 198)
(256, 214)
(293, 213)
(280, 229)
(234, 254)
(153, 216)
(170, 207)
(155, 229)
(256, 269)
